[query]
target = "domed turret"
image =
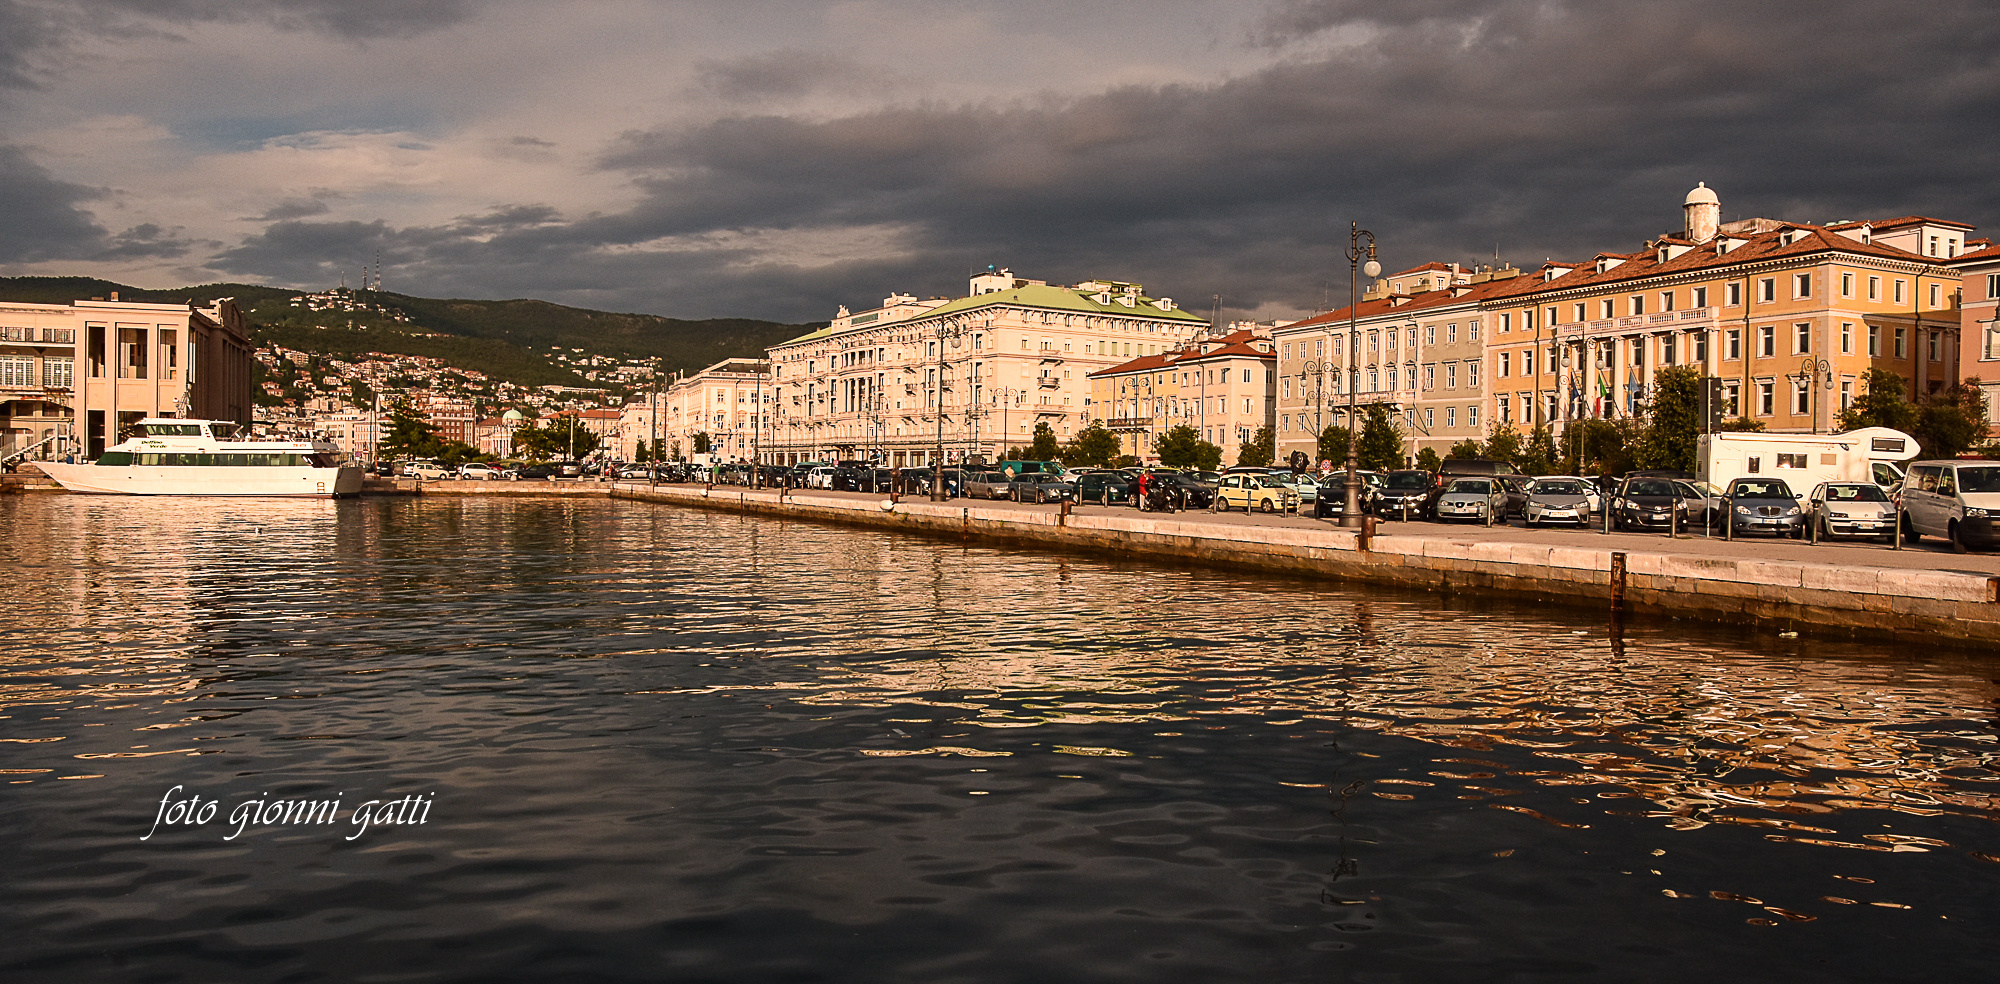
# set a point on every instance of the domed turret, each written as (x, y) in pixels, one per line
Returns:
(513, 415)
(1702, 213)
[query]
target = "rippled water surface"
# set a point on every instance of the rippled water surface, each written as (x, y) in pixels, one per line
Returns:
(655, 744)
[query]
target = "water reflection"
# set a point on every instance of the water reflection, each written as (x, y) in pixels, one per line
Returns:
(759, 749)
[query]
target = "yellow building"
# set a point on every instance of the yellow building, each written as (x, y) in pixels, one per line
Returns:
(1222, 386)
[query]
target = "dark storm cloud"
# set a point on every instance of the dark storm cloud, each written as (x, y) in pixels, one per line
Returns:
(345, 18)
(45, 219)
(1537, 129)
(783, 74)
(148, 241)
(297, 208)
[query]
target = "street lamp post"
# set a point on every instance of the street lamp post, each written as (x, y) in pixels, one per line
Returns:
(1350, 507)
(1317, 371)
(1810, 372)
(953, 329)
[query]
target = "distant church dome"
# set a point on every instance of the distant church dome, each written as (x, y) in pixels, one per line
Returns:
(513, 415)
(1701, 195)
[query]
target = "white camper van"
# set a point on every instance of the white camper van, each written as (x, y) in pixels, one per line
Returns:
(1868, 454)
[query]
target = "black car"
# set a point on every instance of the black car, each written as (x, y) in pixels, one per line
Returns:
(1652, 504)
(1405, 492)
(1193, 494)
(536, 472)
(1106, 488)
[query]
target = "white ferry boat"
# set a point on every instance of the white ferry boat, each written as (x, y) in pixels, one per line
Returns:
(176, 456)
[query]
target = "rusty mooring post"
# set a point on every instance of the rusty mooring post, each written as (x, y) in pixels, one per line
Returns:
(1617, 580)
(1366, 533)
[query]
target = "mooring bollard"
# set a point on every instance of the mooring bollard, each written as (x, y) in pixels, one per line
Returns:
(1617, 581)
(1365, 534)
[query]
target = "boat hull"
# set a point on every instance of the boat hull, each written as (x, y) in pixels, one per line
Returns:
(211, 480)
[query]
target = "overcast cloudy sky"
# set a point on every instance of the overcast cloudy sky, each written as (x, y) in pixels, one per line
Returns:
(776, 158)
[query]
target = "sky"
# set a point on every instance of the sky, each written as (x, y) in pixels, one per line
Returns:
(780, 158)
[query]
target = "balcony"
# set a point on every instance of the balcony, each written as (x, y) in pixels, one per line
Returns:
(1128, 423)
(1048, 382)
(41, 336)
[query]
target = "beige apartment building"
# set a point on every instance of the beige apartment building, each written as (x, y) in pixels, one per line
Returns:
(1421, 344)
(971, 375)
(1979, 322)
(139, 360)
(720, 401)
(1789, 315)
(1222, 386)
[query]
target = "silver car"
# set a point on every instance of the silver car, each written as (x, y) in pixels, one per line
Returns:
(1559, 499)
(1851, 509)
(1480, 500)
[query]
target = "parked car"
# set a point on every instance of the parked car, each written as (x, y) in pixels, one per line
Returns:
(567, 469)
(1956, 500)
(1516, 487)
(987, 484)
(1562, 499)
(478, 471)
(1106, 488)
(1302, 484)
(1403, 493)
(1041, 487)
(1260, 491)
(1837, 509)
(1652, 504)
(819, 477)
(538, 471)
(1764, 505)
(1188, 493)
(1479, 500)
(426, 469)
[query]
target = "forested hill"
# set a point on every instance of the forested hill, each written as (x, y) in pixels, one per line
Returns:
(506, 339)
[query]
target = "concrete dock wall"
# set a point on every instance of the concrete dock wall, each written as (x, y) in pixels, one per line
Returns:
(1917, 605)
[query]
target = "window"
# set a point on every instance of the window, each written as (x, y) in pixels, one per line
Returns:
(1413, 336)
(1505, 368)
(1902, 343)
(1472, 331)
(1731, 392)
(1609, 308)
(1846, 338)
(1801, 398)
(1767, 341)
(1874, 288)
(1667, 353)
(1451, 333)
(1430, 334)
(1992, 343)
(1504, 412)
(1801, 339)
(1285, 422)
(1874, 340)
(1766, 397)
(1700, 297)
(1430, 376)
(1802, 286)
(59, 372)
(1899, 291)
(1767, 289)
(1506, 324)
(1527, 361)
(1735, 295)
(1732, 345)
(1846, 393)
(17, 372)
(1550, 315)
(1286, 387)
(1638, 304)
(1451, 416)
(1451, 375)
(1935, 296)
(1666, 300)
(1472, 373)
(1392, 339)
(1935, 348)
(1552, 360)
(1701, 347)
(1430, 418)
(1472, 416)
(1847, 285)
(1992, 286)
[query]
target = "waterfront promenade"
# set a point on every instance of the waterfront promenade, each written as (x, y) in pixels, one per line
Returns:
(1918, 593)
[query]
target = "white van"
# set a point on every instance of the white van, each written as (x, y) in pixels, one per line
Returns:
(1954, 500)
(820, 477)
(1866, 454)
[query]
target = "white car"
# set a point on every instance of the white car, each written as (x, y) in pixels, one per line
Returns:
(426, 469)
(1480, 499)
(479, 471)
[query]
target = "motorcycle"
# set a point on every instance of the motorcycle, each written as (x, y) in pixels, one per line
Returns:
(1159, 497)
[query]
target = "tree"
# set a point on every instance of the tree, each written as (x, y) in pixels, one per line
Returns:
(1504, 444)
(1952, 420)
(1428, 460)
(1259, 450)
(1600, 447)
(1044, 447)
(676, 452)
(702, 442)
(1467, 448)
(561, 439)
(1741, 425)
(1673, 420)
(360, 395)
(1180, 447)
(1381, 446)
(1333, 442)
(1881, 404)
(409, 433)
(1095, 447)
(643, 453)
(1538, 456)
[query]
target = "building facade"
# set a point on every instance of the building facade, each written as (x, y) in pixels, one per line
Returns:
(972, 376)
(138, 360)
(1222, 386)
(721, 406)
(1979, 323)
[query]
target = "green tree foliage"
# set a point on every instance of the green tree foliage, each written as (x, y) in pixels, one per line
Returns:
(458, 453)
(1600, 447)
(1045, 446)
(1260, 449)
(702, 442)
(1177, 447)
(1673, 420)
(1381, 446)
(1538, 456)
(1741, 425)
(1428, 460)
(564, 438)
(1882, 403)
(1333, 443)
(1095, 447)
(1467, 448)
(1504, 444)
(360, 394)
(1952, 420)
(409, 433)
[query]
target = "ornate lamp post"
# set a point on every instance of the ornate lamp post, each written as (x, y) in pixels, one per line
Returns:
(1317, 371)
(1810, 372)
(1350, 508)
(953, 329)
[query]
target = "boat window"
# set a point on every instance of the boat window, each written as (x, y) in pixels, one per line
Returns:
(222, 432)
(115, 458)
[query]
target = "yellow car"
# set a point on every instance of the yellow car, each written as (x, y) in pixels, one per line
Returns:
(1253, 491)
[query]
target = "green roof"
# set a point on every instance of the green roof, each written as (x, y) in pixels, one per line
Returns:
(1063, 299)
